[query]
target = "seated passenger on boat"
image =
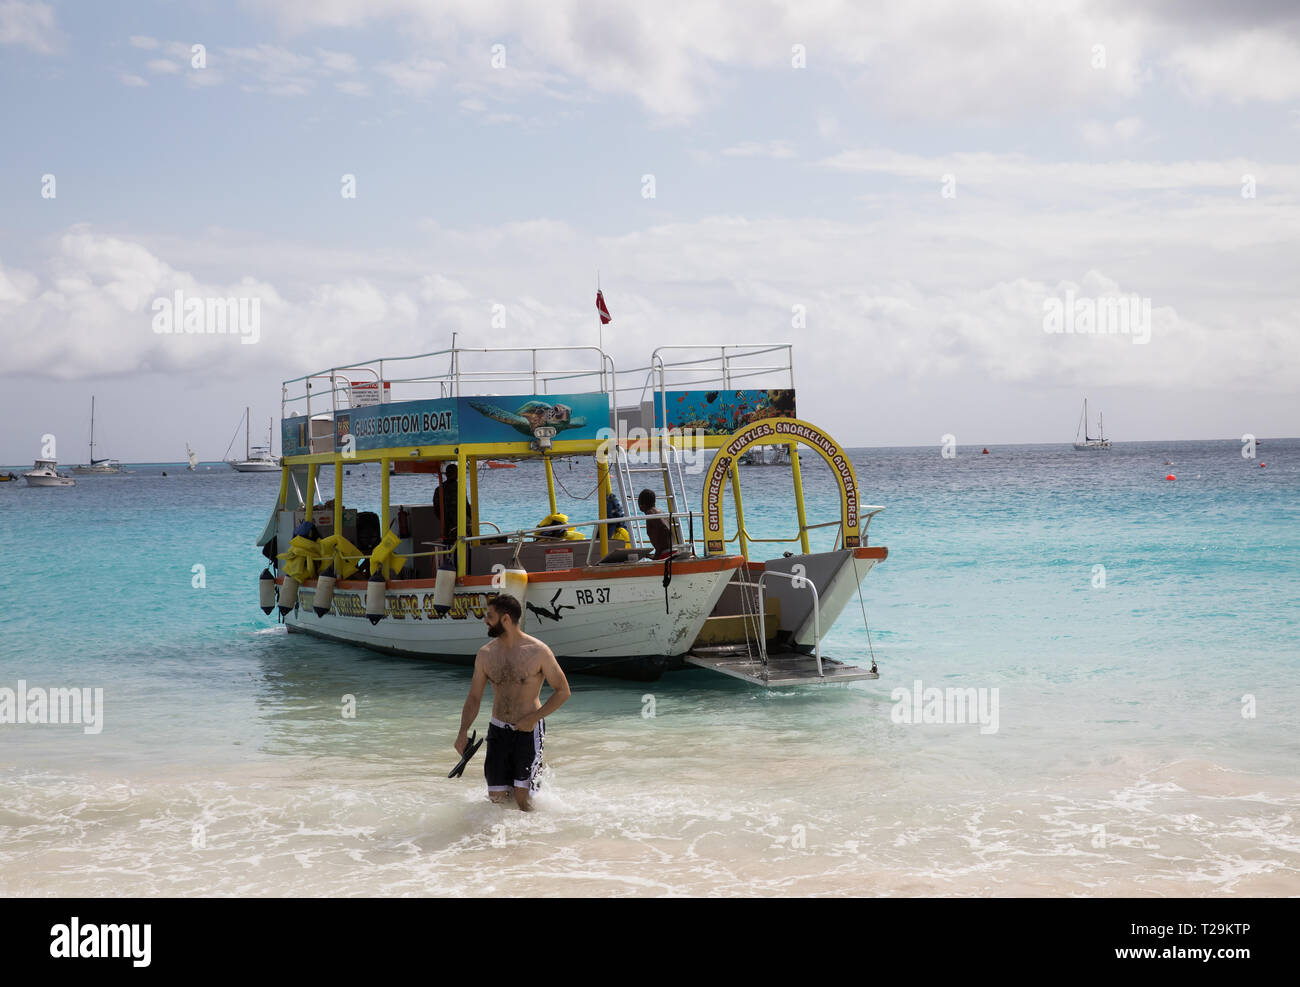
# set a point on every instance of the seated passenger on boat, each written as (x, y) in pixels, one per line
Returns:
(660, 535)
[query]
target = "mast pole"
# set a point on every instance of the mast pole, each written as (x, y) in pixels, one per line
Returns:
(92, 429)
(247, 452)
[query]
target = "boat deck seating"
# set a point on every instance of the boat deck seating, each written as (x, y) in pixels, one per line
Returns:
(539, 556)
(424, 533)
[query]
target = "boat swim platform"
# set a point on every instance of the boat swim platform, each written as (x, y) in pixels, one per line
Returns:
(782, 668)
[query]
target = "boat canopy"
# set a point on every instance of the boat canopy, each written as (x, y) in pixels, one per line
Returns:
(467, 405)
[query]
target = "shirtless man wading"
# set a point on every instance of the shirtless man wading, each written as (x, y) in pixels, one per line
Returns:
(515, 663)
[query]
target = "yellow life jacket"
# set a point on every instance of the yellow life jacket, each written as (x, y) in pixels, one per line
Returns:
(549, 521)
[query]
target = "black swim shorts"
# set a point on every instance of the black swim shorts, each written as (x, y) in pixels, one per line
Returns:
(514, 757)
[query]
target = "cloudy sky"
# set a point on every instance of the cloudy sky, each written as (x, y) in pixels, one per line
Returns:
(920, 180)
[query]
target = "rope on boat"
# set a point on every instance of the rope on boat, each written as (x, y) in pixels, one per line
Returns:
(586, 496)
(865, 625)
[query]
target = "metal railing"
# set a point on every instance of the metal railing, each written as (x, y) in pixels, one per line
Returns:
(723, 366)
(865, 513)
(450, 382)
(720, 369)
(817, 615)
(519, 536)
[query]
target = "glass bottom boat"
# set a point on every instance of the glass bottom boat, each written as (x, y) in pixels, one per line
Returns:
(619, 593)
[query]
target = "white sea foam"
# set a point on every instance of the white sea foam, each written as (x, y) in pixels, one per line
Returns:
(278, 827)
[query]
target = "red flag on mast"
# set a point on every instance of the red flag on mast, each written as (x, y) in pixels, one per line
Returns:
(605, 318)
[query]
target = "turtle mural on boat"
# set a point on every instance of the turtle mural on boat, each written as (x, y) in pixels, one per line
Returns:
(532, 414)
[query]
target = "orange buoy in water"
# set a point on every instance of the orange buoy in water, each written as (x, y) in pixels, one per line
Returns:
(984, 453)
(1170, 476)
(1262, 465)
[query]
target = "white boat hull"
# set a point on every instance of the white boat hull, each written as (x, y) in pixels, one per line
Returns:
(49, 481)
(255, 466)
(611, 620)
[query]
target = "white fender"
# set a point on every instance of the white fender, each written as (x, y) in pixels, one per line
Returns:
(375, 590)
(288, 594)
(514, 582)
(324, 592)
(444, 590)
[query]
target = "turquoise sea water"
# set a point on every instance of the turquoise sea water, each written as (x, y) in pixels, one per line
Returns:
(1122, 762)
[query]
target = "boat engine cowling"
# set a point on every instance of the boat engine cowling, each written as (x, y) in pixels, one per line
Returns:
(376, 589)
(266, 591)
(288, 594)
(324, 595)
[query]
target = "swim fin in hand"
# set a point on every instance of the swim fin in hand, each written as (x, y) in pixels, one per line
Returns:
(471, 748)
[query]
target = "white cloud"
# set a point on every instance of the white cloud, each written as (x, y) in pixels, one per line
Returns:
(16, 287)
(143, 41)
(92, 315)
(947, 59)
(436, 288)
(262, 68)
(418, 75)
(337, 61)
(271, 69)
(924, 295)
(943, 59)
(132, 80)
(1251, 65)
(28, 24)
(760, 149)
(1101, 135)
(1021, 171)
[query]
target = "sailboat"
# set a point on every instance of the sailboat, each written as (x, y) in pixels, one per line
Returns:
(96, 465)
(257, 459)
(1089, 443)
(192, 457)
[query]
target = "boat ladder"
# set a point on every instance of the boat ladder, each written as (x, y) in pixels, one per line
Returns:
(668, 470)
(775, 667)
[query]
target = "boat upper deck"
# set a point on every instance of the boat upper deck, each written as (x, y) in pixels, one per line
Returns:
(527, 400)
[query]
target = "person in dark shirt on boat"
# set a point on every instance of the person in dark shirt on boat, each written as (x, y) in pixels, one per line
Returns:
(660, 535)
(444, 504)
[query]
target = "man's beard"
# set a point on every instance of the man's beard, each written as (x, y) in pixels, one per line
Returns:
(495, 630)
